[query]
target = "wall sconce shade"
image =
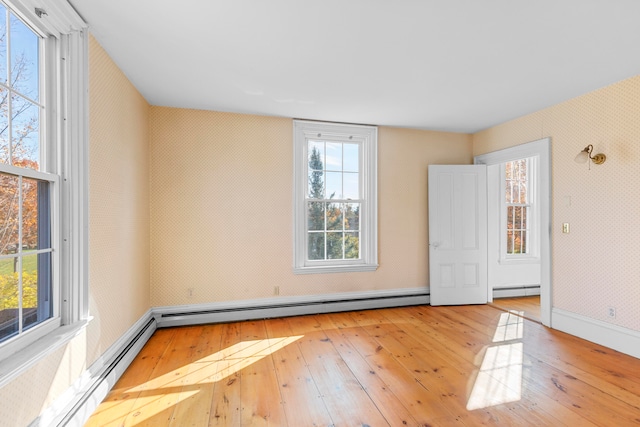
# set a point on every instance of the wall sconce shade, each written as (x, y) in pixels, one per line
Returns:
(586, 155)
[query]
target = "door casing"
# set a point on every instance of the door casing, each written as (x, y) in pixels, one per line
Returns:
(542, 149)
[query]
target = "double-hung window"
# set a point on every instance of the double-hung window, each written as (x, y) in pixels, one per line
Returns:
(335, 206)
(43, 181)
(519, 211)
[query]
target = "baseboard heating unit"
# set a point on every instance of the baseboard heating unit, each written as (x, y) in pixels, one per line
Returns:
(286, 306)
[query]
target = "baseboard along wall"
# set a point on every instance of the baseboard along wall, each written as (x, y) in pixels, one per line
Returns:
(614, 337)
(516, 291)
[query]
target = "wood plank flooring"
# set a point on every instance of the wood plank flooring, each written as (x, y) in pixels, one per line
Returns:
(528, 307)
(415, 366)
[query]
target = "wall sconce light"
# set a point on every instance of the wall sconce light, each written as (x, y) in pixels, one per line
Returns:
(586, 155)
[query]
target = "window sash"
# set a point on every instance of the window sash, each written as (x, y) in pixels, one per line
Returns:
(64, 163)
(517, 242)
(366, 138)
(49, 318)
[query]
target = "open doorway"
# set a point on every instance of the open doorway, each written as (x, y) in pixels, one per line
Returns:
(519, 229)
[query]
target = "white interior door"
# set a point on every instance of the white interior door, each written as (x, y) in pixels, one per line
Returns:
(458, 234)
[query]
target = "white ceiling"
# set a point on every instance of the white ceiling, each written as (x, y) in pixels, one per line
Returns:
(455, 65)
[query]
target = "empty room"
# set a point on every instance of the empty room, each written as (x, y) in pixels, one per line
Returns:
(342, 213)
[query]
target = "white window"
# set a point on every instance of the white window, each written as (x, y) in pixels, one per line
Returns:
(335, 197)
(519, 211)
(43, 180)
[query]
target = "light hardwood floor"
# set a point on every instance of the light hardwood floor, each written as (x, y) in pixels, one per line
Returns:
(528, 307)
(417, 366)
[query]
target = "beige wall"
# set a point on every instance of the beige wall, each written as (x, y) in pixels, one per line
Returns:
(118, 202)
(118, 242)
(221, 208)
(596, 265)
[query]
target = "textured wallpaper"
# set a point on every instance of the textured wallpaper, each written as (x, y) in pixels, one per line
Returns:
(118, 241)
(596, 265)
(118, 202)
(221, 208)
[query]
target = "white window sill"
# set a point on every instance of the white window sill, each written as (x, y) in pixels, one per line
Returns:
(335, 269)
(19, 362)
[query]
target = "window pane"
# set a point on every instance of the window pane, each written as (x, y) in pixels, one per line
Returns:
(316, 246)
(334, 156)
(510, 210)
(3, 43)
(29, 289)
(24, 59)
(351, 158)
(351, 190)
(335, 245)
(352, 245)
(315, 220)
(334, 185)
(4, 125)
(316, 155)
(25, 133)
(36, 289)
(515, 197)
(29, 213)
(517, 242)
(8, 299)
(316, 185)
(9, 214)
(335, 217)
(352, 216)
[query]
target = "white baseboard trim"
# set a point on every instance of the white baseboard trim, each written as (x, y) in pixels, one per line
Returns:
(615, 337)
(287, 306)
(80, 400)
(519, 291)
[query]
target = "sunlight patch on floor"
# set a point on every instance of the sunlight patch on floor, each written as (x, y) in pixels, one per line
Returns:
(218, 366)
(510, 326)
(500, 377)
(162, 393)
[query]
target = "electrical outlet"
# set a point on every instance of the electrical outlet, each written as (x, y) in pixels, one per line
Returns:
(276, 290)
(190, 292)
(565, 228)
(611, 311)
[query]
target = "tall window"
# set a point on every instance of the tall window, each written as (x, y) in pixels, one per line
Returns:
(518, 212)
(43, 176)
(25, 214)
(335, 197)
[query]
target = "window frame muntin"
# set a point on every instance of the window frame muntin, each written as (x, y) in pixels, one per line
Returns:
(366, 136)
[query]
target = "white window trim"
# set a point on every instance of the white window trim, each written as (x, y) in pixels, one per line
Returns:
(367, 136)
(533, 256)
(66, 68)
